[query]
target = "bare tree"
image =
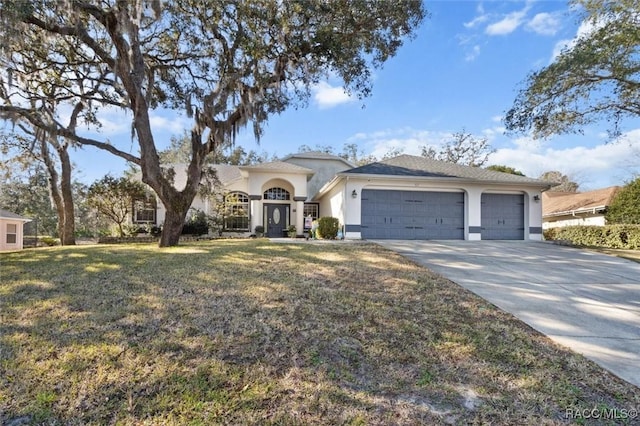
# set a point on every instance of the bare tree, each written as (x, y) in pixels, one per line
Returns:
(464, 148)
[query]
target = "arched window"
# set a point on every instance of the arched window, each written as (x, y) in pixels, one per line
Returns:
(236, 211)
(276, 194)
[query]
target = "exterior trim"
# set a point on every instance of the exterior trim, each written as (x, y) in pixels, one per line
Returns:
(475, 229)
(255, 197)
(535, 230)
(299, 198)
(352, 228)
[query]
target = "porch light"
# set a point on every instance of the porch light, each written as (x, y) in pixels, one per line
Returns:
(536, 198)
(354, 194)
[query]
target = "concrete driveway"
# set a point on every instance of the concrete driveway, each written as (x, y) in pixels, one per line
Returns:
(586, 301)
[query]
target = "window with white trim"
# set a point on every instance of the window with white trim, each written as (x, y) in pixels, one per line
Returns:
(312, 210)
(276, 194)
(236, 211)
(144, 210)
(12, 233)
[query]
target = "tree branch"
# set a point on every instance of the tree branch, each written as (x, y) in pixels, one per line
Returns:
(77, 31)
(29, 115)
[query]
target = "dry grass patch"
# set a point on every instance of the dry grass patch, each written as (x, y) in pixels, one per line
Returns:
(625, 254)
(251, 332)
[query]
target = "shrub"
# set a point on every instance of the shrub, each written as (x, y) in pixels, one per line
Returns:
(624, 208)
(49, 241)
(197, 224)
(259, 230)
(328, 228)
(550, 234)
(609, 236)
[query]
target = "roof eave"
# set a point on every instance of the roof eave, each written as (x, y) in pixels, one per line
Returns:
(576, 211)
(307, 172)
(17, 219)
(328, 186)
(544, 185)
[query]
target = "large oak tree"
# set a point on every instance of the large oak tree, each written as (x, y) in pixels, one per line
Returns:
(596, 78)
(229, 64)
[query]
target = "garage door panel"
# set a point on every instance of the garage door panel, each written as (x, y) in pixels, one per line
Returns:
(412, 214)
(502, 216)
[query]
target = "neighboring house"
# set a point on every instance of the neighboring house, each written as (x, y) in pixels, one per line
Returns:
(11, 230)
(406, 197)
(576, 208)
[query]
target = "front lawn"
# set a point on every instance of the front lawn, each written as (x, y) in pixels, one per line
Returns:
(254, 332)
(633, 255)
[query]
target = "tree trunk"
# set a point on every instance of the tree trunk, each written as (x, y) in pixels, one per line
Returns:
(172, 228)
(54, 192)
(68, 237)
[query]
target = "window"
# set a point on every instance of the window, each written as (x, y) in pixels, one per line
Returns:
(144, 210)
(236, 211)
(276, 194)
(12, 233)
(313, 210)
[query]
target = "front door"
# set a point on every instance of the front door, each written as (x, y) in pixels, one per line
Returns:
(277, 216)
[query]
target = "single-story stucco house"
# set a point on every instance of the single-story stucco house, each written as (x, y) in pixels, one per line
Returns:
(406, 197)
(576, 208)
(11, 230)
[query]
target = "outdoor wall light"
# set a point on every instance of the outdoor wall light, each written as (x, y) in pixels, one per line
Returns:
(354, 194)
(536, 198)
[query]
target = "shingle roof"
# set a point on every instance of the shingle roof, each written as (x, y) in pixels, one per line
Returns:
(6, 214)
(556, 203)
(316, 155)
(227, 173)
(411, 165)
(278, 166)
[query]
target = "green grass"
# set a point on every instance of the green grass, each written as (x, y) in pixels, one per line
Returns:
(254, 332)
(633, 255)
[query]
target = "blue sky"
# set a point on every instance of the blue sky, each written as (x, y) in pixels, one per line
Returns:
(462, 71)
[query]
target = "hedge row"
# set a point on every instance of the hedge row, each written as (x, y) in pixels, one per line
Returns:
(609, 236)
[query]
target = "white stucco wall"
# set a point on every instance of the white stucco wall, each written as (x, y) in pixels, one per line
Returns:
(333, 204)
(340, 203)
(561, 221)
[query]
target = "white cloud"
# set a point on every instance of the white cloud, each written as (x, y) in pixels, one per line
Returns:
(494, 132)
(481, 18)
(544, 24)
(328, 96)
(508, 24)
(475, 21)
(593, 167)
(174, 124)
(473, 54)
(408, 140)
(584, 30)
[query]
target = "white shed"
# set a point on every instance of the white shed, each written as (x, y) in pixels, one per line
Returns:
(11, 230)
